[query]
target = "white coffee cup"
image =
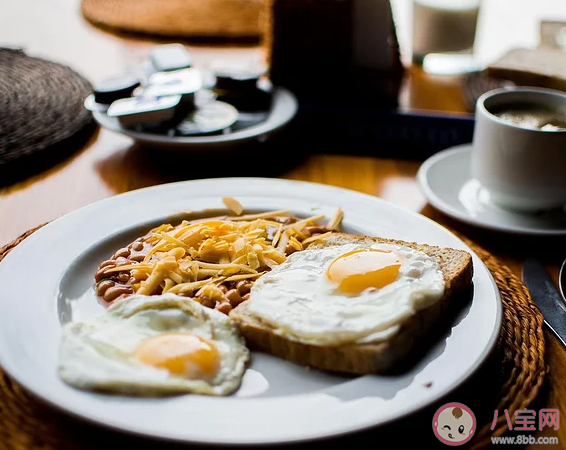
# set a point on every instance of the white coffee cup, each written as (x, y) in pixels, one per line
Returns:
(522, 169)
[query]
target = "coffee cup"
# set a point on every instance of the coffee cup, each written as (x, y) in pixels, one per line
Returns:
(519, 148)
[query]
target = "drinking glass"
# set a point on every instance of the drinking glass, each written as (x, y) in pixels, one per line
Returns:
(444, 32)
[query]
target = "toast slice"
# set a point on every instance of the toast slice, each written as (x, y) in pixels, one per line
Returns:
(380, 357)
(541, 67)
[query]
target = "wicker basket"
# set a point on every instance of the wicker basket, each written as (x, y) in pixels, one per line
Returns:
(180, 18)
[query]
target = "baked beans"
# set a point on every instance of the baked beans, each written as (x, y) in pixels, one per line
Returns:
(111, 286)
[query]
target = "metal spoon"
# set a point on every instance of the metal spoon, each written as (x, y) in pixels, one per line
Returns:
(562, 280)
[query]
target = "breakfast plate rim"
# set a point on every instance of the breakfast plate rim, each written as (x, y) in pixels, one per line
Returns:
(36, 387)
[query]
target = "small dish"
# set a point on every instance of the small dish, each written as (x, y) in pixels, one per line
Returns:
(445, 181)
(283, 110)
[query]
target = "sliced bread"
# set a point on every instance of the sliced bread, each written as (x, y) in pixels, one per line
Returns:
(540, 67)
(457, 269)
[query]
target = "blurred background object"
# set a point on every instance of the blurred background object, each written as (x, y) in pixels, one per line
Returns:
(223, 19)
(348, 61)
(172, 105)
(542, 67)
(42, 117)
(553, 34)
(501, 25)
(444, 32)
(335, 51)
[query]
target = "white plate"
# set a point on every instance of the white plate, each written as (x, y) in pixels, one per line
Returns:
(446, 183)
(47, 280)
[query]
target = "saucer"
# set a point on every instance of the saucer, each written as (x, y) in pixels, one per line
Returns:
(446, 182)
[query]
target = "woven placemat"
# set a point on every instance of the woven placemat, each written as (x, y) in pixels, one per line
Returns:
(25, 424)
(180, 18)
(42, 117)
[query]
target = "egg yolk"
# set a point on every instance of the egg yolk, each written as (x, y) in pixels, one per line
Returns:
(182, 354)
(359, 270)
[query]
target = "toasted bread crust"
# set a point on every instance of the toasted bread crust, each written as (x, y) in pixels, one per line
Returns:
(457, 269)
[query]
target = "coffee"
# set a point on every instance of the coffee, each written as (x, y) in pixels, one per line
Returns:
(520, 167)
(532, 115)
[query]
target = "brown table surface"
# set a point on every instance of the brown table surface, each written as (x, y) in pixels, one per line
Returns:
(110, 165)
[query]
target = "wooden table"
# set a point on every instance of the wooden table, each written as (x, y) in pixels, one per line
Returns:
(110, 165)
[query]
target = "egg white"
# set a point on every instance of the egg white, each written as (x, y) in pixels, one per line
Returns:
(97, 354)
(302, 304)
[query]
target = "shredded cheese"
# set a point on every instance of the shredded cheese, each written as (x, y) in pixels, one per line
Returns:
(196, 258)
(233, 205)
(336, 220)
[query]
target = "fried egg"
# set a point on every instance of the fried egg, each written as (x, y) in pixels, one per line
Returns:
(345, 293)
(151, 345)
